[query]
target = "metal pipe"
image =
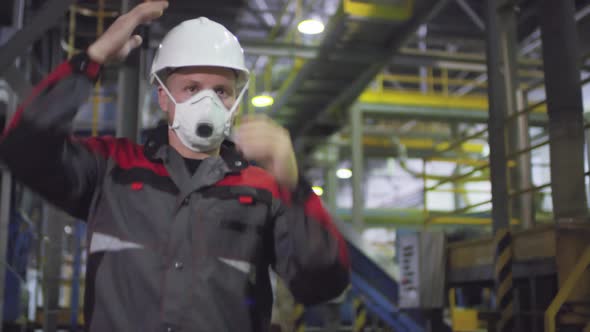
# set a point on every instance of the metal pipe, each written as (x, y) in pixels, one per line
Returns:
(565, 108)
(356, 125)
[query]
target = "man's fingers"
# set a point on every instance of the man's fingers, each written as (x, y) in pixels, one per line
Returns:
(134, 42)
(148, 11)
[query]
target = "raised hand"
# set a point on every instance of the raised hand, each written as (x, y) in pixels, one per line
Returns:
(261, 139)
(116, 43)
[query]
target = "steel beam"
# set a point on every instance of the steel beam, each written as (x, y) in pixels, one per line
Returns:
(45, 18)
(564, 101)
(471, 14)
(439, 114)
(406, 56)
(356, 125)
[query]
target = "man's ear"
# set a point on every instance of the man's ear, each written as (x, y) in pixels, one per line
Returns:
(163, 99)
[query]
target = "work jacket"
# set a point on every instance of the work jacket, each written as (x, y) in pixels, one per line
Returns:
(170, 250)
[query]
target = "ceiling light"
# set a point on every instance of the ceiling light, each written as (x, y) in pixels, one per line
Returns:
(344, 173)
(263, 100)
(311, 27)
(318, 190)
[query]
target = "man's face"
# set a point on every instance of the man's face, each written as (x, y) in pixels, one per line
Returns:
(187, 81)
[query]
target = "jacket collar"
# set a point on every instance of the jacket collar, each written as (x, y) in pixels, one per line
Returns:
(156, 149)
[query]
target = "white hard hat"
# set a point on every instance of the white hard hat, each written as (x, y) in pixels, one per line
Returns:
(200, 42)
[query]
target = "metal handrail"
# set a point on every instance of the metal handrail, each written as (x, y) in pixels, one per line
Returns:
(458, 143)
(457, 177)
(457, 211)
(528, 149)
(515, 193)
(510, 157)
(531, 107)
(525, 110)
(565, 290)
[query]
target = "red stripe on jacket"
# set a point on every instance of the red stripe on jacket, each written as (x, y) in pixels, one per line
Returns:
(63, 70)
(124, 152)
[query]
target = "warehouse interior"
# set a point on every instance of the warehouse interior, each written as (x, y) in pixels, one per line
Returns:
(449, 138)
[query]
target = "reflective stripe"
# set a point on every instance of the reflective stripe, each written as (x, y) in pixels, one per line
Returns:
(243, 266)
(105, 242)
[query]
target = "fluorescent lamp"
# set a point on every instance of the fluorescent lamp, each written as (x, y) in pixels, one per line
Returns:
(318, 190)
(344, 173)
(310, 27)
(262, 100)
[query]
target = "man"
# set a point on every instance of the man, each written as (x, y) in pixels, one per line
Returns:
(182, 230)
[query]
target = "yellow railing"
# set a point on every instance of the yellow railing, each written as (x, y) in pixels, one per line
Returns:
(71, 49)
(480, 165)
(566, 289)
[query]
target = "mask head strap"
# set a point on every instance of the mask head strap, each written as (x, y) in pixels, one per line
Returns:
(231, 111)
(238, 99)
(165, 89)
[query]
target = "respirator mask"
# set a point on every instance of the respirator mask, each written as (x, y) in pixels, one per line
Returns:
(202, 122)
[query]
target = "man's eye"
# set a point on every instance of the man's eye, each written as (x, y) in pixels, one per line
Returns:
(220, 92)
(191, 89)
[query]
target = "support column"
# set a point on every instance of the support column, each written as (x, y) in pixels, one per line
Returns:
(10, 104)
(564, 104)
(53, 223)
(5, 196)
(457, 186)
(524, 168)
(501, 66)
(330, 177)
(128, 89)
(356, 126)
